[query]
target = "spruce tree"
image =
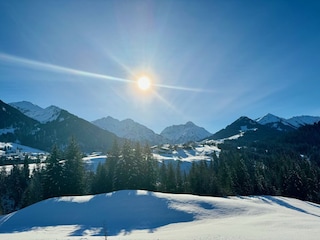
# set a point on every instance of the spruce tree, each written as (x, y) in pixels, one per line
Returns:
(53, 181)
(34, 191)
(100, 180)
(73, 170)
(151, 169)
(112, 160)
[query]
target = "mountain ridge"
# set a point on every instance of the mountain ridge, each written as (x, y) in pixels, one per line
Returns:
(42, 115)
(15, 126)
(268, 125)
(289, 124)
(129, 129)
(183, 133)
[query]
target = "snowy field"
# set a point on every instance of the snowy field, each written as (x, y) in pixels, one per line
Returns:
(142, 215)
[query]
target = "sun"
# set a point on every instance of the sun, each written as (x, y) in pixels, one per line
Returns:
(144, 83)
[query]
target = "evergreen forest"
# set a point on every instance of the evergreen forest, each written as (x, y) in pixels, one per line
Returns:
(288, 166)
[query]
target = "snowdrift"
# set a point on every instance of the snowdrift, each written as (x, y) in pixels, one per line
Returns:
(137, 214)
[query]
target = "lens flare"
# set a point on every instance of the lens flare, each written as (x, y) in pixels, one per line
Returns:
(144, 83)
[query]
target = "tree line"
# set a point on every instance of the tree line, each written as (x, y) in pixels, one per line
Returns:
(258, 169)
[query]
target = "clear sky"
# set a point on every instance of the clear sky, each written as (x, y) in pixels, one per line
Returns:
(210, 62)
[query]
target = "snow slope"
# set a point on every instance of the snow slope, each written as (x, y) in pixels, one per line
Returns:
(197, 152)
(48, 114)
(18, 148)
(136, 214)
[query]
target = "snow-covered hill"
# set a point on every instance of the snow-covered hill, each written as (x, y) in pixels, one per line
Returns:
(185, 133)
(283, 124)
(35, 112)
(303, 120)
(136, 214)
(129, 129)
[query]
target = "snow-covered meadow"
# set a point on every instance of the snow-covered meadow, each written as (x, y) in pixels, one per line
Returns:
(137, 214)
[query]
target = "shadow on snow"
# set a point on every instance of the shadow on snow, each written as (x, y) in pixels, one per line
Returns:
(122, 211)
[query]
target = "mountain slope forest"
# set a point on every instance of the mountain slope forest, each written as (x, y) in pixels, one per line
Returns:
(288, 165)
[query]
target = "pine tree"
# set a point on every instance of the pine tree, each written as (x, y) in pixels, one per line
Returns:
(123, 171)
(149, 170)
(100, 180)
(53, 181)
(111, 163)
(73, 170)
(179, 183)
(34, 191)
(138, 168)
(170, 182)
(3, 189)
(163, 177)
(16, 186)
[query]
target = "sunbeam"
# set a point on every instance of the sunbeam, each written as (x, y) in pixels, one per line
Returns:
(183, 88)
(60, 69)
(168, 104)
(56, 68)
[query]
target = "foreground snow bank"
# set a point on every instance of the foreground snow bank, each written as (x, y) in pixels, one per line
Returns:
(132, 214)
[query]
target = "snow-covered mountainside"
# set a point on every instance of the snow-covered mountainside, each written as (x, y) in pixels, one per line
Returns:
(33, 111)
(283, 124)
(137, 214)
(129, 129)
(243, 127)
(269, 118)
(185, 133)
(276, 122)
(303, 120)
(57, 127)
(187, 152)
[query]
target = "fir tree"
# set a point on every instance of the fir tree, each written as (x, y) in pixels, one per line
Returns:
(73, 171)
(53, 181)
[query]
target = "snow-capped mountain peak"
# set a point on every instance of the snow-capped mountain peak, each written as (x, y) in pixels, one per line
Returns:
(48, 114)
(269, 118)
(283, 124)
(303, 120)
(129, 129)
(184, 133)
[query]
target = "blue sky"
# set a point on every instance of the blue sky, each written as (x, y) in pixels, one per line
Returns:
(211, 61)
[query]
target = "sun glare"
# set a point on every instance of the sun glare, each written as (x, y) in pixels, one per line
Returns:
(144, 83)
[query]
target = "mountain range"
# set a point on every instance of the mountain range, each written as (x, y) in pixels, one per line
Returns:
(134, 131)
(34, 126)
(283, 124)
(43, 130)
(262, 128)
(130, 129)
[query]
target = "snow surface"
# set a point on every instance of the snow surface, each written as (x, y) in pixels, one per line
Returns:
(33, 111)
(137, 214)
(18, 148)
(196, 153)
